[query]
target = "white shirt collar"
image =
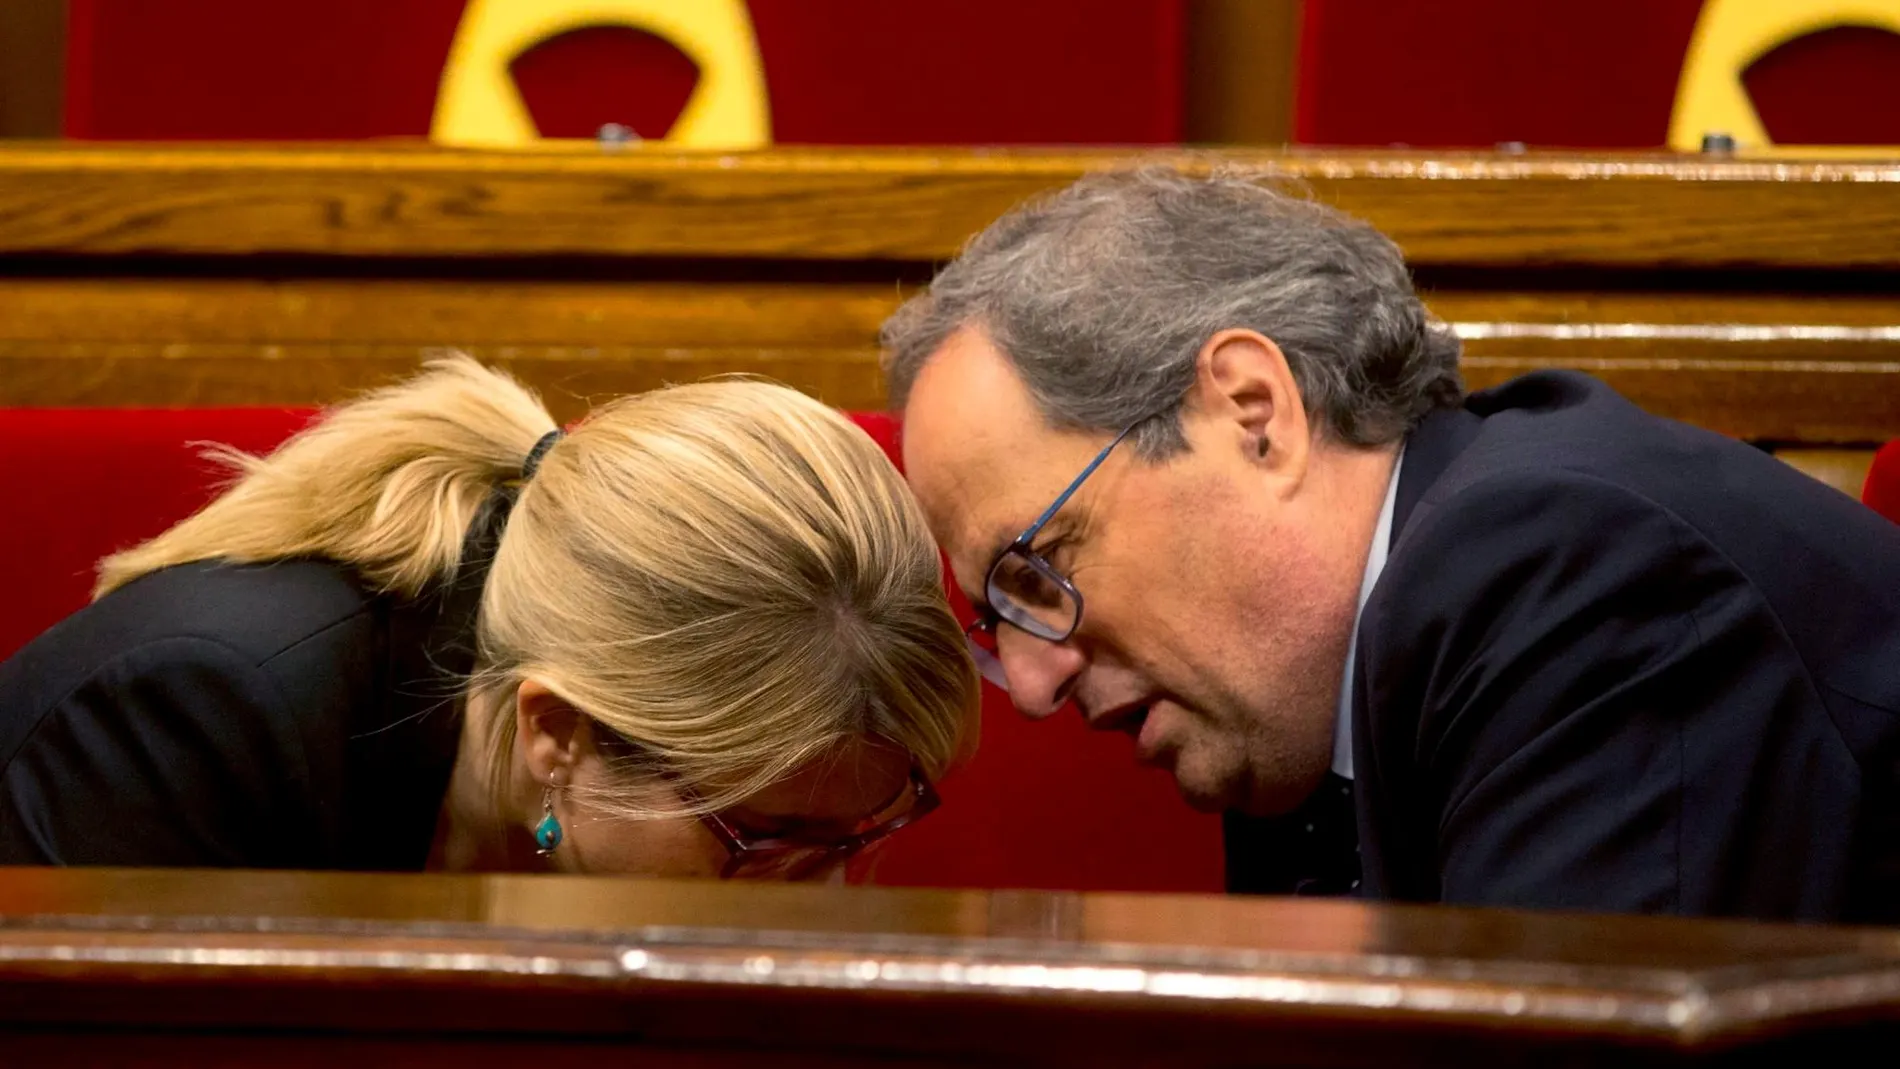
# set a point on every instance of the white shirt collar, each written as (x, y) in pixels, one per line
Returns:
(1375, 563)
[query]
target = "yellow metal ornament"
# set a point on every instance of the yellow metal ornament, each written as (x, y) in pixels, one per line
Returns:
(479, 106)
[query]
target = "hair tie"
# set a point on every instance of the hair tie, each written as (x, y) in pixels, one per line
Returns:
(533, 463)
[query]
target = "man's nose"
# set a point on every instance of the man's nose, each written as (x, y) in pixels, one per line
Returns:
(1041, 674)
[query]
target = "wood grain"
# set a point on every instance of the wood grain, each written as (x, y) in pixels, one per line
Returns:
(520, 311)
(168, 342)
(157, 274)
(1240, 71)
(1843, 469)
(386, 200)
(382, 966)
(1815, 369)
(1780, 368)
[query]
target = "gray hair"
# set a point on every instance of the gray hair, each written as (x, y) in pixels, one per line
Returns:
(1102, 295)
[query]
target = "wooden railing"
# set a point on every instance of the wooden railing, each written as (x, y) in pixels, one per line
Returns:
(1761, 299)
(207, 968)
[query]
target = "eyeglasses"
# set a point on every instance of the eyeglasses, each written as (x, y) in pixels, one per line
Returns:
(1025, 591)
(794, 857)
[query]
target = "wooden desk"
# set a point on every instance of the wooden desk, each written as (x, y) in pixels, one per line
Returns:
(208, 968)
(1758, 298)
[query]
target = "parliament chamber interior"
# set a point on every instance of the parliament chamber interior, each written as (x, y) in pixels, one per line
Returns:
(223, 224)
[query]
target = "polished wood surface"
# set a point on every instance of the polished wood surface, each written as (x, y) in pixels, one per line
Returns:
(379, 965)
(1843, 469)
(32, 68)
(908, 205)
(1777, 367)
(1789, 369)
(246, 341)
(1760, 299)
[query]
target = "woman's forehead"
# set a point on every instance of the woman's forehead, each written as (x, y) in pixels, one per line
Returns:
(852, 781)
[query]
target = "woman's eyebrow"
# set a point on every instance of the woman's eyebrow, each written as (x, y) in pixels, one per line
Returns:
(803, 821)
(785, 824)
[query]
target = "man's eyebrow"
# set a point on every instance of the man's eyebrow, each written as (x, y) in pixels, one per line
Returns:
(1061, 527)
(996, 547)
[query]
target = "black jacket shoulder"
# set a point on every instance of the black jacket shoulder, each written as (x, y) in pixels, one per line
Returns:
(217, 714)
(1619, 663)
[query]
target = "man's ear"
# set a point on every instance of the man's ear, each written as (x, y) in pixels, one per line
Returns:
(1245, 390)
(551, 733)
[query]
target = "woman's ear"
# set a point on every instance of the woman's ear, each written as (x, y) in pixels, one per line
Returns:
(551, 733)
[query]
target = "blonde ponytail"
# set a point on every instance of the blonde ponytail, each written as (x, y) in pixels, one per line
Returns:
(387, 484)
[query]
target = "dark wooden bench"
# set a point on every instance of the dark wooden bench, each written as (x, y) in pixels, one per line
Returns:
(224, 969)
(1758, 298)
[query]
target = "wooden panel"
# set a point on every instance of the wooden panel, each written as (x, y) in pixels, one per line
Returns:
(121, 283)
(1843, 469)
(1787, 369)
(110, 342)
(382, 200)
(209, 376)
(522, 311)
(383, 967)
(1767, 368)
(1240, 62)
(32, 67)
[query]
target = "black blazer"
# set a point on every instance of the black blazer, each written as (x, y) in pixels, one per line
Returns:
(1618, 663)
(276, 716)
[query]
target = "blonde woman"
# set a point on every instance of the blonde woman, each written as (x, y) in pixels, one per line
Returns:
(704, 633)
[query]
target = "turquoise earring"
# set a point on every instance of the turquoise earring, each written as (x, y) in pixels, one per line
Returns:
(547, 834)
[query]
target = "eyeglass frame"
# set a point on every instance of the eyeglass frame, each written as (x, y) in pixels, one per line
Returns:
(742, 849)
(988, 662)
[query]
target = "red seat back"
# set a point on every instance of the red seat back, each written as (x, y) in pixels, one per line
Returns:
(1046, 805)
(87, 482)
(1882, 491)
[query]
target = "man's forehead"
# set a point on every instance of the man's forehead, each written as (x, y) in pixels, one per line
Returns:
(967, 389)
(971, 436)
(981, 459)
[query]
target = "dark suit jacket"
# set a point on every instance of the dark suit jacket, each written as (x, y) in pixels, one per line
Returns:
(275, 716)
(1618, 663)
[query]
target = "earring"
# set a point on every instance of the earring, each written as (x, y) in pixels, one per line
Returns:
(1263, 445)
(547, 834)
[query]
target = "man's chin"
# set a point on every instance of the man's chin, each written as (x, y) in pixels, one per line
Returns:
(1206, 794)
(1212, 785)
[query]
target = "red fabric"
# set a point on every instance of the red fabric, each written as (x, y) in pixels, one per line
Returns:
(1047, 805)
(1836, 87)
(1472, 73)
(1477, 72)
(580, 81)
(848, 72)
(1882, 491)
(86, 482)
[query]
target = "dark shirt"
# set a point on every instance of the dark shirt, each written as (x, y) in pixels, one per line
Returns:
(260, 716)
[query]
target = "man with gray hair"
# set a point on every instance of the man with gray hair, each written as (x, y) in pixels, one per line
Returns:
(1204, 465)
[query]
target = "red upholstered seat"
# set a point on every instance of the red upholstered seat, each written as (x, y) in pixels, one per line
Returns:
(1882, 491)
(1041, 805)
(85, 482)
